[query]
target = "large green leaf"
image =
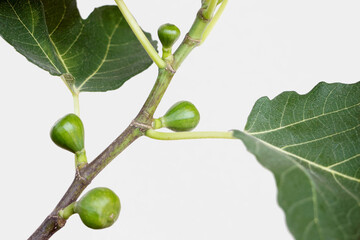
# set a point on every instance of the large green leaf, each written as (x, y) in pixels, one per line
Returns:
(311, 143)
(96, 54)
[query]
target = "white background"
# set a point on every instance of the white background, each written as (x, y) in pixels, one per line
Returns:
(198, 189)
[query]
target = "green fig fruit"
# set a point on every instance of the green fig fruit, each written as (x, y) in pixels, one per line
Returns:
(68, 133)
(182, 116)
(99, 208)
(168, 34)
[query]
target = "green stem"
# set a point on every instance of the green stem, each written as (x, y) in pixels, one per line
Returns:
(187, 135)
(67, 211)
(209, 11)
(205, 3)
(140, 34)
(76, 103)
(214, 20)
(167, 55)
(163, 80)
(80, 159)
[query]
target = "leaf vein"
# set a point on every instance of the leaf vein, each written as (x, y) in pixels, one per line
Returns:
(301, 159)
(326, 99)
(32, 18)
(257, 115)
(322, 138)
(104, 58)
(305, 120)
(76, 39)
(62, 18)
(346, 190)
(32, 35)
(284, 110)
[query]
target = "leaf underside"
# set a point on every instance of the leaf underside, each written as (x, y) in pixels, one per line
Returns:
(311, 143)
(96, 54)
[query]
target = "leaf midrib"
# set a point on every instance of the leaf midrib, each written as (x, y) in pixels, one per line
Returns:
(314, 192)
(326, 169)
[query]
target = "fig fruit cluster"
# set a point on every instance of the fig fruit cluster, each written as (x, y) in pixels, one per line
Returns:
(168, 34)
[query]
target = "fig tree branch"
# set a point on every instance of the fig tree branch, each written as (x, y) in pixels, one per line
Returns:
(137, 128)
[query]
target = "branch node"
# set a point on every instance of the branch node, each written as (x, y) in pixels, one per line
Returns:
(191, 41)
(170, 69)
(60, 222)
(200, 15)
(142, 126)
(80, 178)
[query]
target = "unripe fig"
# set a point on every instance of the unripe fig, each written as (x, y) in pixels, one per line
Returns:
(68, 133)
(182, 116)
(168, 34)
(99, 208)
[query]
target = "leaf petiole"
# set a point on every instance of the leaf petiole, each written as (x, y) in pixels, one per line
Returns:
(76, 103)
(208, 13)
(140, 34)
(187, 135)
(214, 20)
(68, 79)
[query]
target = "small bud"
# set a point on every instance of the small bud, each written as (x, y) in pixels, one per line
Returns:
(168, 35)
(99, 208)
(182, 116)
(68, 133)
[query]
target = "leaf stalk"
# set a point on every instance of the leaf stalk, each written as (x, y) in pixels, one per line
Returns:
(76, 103)
(188, 135)
(209, 11)
(214, 20)
(140, 34)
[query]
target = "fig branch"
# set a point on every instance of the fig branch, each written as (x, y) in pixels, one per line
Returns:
(137, 128)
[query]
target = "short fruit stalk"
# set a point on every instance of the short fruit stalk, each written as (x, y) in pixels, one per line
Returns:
(168, 35)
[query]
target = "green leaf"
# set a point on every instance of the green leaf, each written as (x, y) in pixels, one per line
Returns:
(311, 143)
(96, 54)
